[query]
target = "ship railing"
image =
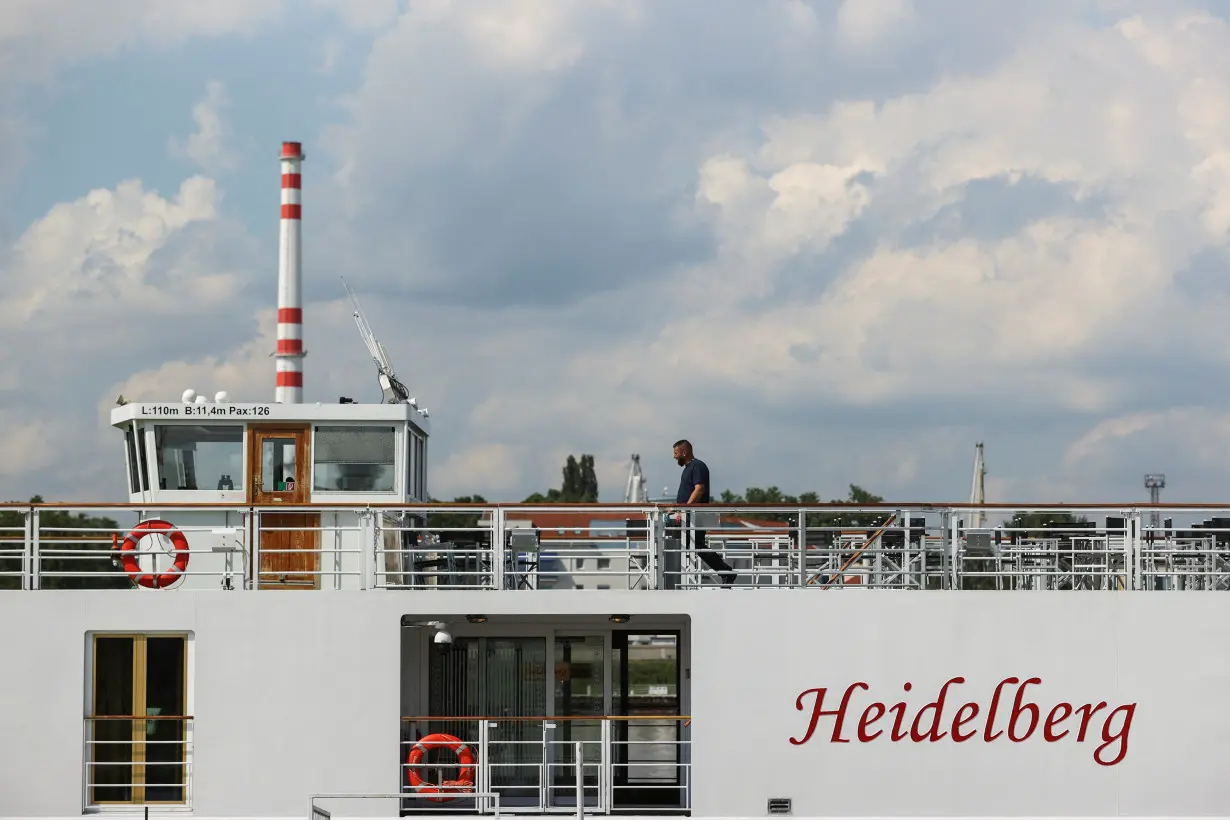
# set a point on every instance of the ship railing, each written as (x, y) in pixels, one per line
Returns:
(132, 761)
(598, 763)
(79, 546)
(14, 555)
(317, 811)
(619, 547)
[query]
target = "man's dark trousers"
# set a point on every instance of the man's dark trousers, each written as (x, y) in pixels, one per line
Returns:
(710, 557)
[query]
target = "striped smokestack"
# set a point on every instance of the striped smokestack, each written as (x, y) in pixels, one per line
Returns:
(289, 354)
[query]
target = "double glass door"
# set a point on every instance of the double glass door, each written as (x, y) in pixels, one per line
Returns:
(541, 697)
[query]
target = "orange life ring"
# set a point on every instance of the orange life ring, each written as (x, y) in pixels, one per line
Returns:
(128, 554)
(465, 759)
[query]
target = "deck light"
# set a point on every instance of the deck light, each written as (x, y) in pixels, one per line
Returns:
(442, 636)
(620, 619)
(477, 619)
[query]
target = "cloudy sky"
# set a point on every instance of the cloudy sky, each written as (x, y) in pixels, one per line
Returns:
(828, 241)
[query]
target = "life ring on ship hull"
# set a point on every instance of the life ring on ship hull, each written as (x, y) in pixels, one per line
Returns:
(129, 554)
(465, 759)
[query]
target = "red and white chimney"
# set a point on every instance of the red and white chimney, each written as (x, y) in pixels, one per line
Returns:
(290, 354)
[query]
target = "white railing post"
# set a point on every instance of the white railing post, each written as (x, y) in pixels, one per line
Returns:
(498, 552)
(36, 558)
(580, 766)
(604, 769)
(954, 549)
(369, 542)
(256, 549)
(653, 564)
(802, 543)
(483, 779)
(1132, 559)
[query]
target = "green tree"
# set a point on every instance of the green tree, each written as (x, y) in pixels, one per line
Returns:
(580, 484)
(62, 530)
(1034, 524)
(443, 523)
(773, 495)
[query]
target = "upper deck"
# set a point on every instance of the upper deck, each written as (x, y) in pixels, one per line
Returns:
(293, 543)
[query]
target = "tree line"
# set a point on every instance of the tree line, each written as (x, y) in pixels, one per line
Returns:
(60, 529)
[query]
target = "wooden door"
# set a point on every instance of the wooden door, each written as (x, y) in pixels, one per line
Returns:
(279, 460)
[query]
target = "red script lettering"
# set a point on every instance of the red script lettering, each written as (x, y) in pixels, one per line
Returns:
(1012, 713)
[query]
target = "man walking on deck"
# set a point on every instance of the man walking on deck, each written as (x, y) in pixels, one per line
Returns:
(694, 488)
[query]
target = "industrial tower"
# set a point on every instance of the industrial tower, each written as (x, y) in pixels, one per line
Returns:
(978, 493)
(1154, 483)
(635, 492)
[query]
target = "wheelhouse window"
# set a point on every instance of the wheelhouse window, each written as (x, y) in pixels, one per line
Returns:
(354, 459)
(199, 456)
(138, 472)
(416, 468)
(137, 730)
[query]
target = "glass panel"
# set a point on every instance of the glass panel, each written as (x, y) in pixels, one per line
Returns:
(199, 457)
(653, 690)
(278, 465)
(142, 453)
(415, 468)
(516, 687)
(580, 675)
(112, 772)
(134, 474)
(501, 679)
(164, 739)
(420, 467)
(354, 459)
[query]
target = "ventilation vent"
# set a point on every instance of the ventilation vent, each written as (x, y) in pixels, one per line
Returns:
(779, 805)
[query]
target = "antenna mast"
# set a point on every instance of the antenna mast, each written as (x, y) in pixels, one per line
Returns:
(978, 494)
(394, 391)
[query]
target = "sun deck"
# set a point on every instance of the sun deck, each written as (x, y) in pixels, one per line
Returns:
(306, 546)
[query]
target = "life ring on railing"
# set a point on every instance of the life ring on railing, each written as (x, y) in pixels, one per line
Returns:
(465, 759)
(129, 553)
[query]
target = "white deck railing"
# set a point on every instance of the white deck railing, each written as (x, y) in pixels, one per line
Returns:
(589, 765)
(137, 761)
(637, 547)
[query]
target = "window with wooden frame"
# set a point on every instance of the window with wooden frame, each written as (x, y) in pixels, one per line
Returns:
(138, 730)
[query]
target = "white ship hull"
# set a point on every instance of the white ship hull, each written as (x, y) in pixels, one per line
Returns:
(292, 695)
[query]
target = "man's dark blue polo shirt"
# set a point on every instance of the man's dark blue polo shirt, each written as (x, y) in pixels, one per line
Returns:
(694, 472)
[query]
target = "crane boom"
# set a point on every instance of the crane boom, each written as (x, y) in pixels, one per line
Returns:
(394, 391)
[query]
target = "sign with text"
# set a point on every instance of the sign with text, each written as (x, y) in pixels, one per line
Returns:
(1011, 713)
(217, 411)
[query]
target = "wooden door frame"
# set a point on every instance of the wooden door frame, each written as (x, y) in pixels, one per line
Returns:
(298, 498)
(302, 433)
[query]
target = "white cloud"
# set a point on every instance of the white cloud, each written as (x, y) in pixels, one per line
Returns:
(40, 39)
(111, 282)
(98, 254)
(207, 146)
(1018, 309)
(864, 23)
(581, 231)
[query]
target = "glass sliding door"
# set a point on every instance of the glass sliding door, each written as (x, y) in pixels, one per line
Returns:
(502, 680)
(580, 705)
(648, 731)
(516, 701)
